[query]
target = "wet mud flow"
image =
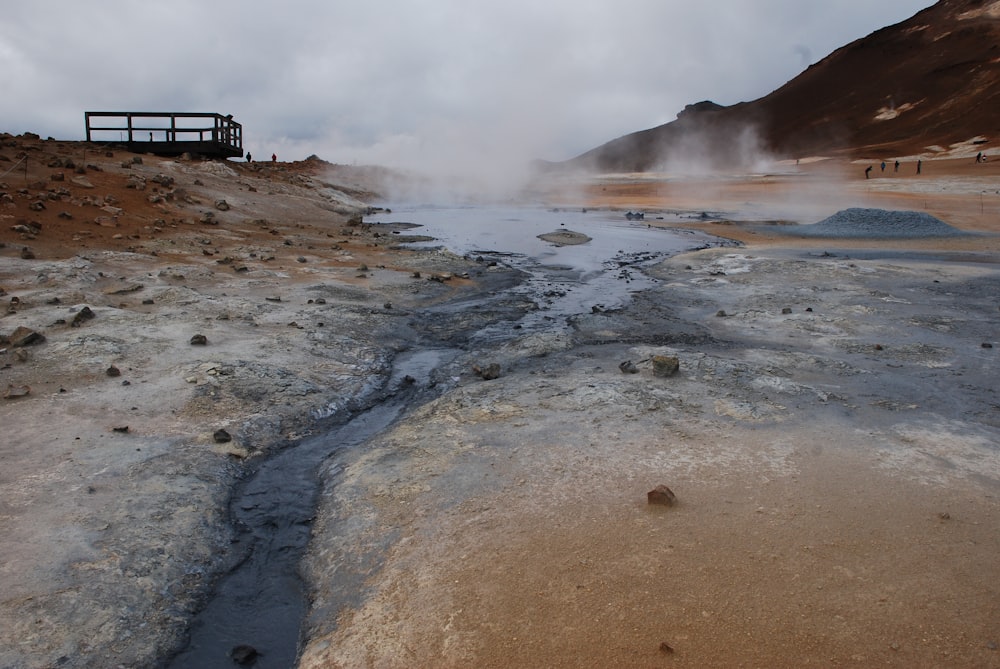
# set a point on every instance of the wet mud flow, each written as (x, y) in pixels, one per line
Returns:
(258, 607)
(260, 604)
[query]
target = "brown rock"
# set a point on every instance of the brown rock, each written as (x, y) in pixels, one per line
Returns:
(14, 392)
(665, 365)
(661, 495)
(199, 340)
(85, 314)
(23, 336)
(487, 373)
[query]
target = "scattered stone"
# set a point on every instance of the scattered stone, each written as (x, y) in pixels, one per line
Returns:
(301, 259)
(27, 254)
(123, 429)
(665, 365)
(221, 436)
(387, 305)
(37, 205)
(24, 336)
(661, 495)
(878, 347)
(132, 288)
(82, 182)
(944, 515)
(666, 648)
(786, 310)
(244, 654)
(721, 313)
(14, 392)
(986, 344)
(222, 205)
(113, 371)
(487, 373)
(208, 218)
(199, 340)
(628, 367)
(85, 314)
(65, 215)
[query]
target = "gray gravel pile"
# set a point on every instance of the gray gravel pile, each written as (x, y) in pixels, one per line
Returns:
(878, 223)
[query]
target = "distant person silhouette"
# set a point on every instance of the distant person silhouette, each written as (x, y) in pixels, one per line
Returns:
(249, 157)
(920, 165)
(896, 167)
(883, 166)
(868, 172)
(274, 158)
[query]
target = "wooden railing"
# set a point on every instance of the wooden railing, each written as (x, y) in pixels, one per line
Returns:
(168, 133)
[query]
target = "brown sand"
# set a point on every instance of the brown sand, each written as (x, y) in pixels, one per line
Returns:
(805, 535)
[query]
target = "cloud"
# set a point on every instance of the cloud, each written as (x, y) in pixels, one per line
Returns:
(439, 83)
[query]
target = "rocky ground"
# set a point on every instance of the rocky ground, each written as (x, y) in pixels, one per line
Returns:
(831, 434)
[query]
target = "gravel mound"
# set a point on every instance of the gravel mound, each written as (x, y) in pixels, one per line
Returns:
(878, 223)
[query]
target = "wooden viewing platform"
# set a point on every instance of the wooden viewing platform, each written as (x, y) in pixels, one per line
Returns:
(168, 133)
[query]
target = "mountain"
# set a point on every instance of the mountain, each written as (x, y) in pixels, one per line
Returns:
(930, 81)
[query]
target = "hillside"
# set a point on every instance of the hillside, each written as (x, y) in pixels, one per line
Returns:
(917, 87)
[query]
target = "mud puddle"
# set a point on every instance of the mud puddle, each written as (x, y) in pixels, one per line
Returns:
(259, 605)
(601, 274)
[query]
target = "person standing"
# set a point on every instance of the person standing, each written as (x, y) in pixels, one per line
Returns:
(920, 165)
(868, 172)
(274, 158)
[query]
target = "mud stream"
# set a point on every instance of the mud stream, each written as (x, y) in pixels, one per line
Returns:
(261, 602)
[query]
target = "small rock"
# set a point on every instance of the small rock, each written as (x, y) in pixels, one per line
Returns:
(244, 654)
(665, 365)
(27, 254)
(786, 310)
(122, 429)
(14, 392)
(113, 371)
(85, 314)
(23, 336)
(986, 344)
(199, 340)
(628, 367)
(721, 313)
(488, 373)
(302, 259)
(666, 648)
(222, 205)
(221, 436)
(661, 495)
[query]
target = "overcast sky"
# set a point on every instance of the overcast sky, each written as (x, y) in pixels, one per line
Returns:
(418, 82)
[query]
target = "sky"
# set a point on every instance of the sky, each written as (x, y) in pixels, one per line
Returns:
(431, 85)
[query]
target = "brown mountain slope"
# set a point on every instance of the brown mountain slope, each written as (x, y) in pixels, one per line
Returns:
(932, 80)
